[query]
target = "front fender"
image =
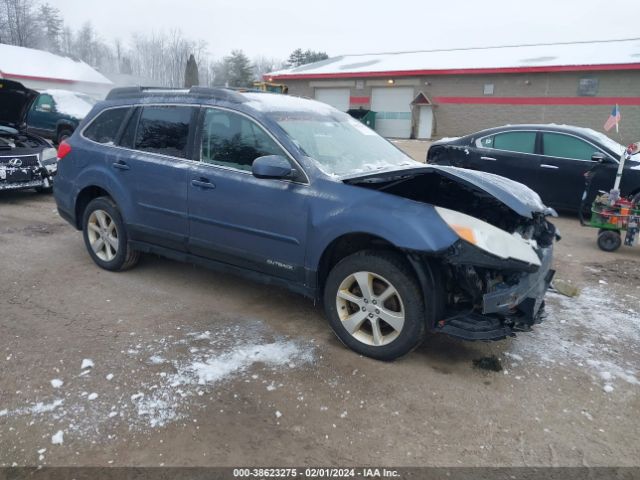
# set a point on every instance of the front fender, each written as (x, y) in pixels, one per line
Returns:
(404, 223)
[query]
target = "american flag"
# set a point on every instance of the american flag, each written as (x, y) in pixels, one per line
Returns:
(613, 119)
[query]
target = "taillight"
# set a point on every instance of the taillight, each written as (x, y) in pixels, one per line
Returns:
(63, 149)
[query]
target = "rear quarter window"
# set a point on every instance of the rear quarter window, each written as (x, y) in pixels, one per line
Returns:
(105, 127)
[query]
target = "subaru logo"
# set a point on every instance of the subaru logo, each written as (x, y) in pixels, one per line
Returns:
(15, 162)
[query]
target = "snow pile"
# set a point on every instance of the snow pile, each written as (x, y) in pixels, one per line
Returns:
(69, 103)
(57, 438)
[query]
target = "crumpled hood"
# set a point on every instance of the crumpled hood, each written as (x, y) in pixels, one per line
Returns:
(518, 197)
(15, 100)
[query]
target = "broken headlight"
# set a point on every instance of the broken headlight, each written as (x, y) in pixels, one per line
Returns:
(489, 238)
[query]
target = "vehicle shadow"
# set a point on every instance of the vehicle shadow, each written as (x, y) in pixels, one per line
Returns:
(17, 196)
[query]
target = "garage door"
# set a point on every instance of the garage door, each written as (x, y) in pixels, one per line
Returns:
(393, 107)
(336, 97)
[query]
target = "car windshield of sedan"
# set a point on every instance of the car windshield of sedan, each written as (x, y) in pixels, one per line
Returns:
(339, 144)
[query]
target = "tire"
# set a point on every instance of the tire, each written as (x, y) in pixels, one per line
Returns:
(63, 134)
(609, 240)
(354, 319)
(105, 236)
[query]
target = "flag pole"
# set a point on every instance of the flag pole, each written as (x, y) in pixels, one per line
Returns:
(623, 157)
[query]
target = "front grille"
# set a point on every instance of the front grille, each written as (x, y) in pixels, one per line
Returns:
(25, 161)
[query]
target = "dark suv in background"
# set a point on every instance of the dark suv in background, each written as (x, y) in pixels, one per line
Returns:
(55, 114)
(293, 192)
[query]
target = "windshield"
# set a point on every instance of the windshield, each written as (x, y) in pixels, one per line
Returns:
(340, 144)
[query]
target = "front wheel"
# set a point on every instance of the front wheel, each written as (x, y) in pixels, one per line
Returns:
(375, 305)
(105, 236)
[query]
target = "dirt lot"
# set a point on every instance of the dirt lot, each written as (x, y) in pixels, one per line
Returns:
(183, 366)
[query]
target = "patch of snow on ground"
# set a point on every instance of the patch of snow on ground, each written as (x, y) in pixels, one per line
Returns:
(86, 363)
(56, 383)
(58, 438)
(148, 395)
(593, 331)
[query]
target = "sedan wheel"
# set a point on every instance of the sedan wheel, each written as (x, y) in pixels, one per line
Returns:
(103, 235)
(370, 308)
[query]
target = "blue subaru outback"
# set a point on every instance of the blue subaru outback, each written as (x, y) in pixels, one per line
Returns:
(292, 192)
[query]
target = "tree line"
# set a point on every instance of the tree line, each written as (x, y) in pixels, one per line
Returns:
(167, 58)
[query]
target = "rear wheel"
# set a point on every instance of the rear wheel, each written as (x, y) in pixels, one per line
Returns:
(374, 304)
(105, 236)
(609, 240)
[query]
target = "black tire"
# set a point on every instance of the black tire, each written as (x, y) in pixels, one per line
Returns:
(63, 134)
(609, 240)
(393, 268)
(125, 256)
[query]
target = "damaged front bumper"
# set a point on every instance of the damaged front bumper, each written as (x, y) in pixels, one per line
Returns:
(20, 178)
(506, 299)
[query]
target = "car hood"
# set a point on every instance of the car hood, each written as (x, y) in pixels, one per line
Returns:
(516, 196)
(15, 100)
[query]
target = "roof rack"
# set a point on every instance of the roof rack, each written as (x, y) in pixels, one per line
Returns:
(224, 94)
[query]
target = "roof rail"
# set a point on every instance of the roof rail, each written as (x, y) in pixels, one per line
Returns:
(224, 94)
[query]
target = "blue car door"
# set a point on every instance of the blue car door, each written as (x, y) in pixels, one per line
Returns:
(156, 173)
(236, 218)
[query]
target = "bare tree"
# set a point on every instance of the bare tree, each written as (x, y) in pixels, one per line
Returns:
(19, 23)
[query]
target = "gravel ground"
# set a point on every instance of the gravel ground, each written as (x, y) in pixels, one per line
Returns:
(170, 364)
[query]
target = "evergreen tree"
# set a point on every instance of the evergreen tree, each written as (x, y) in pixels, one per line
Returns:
(52, 25)
(191, 73)
(234, 70)
(299, 57)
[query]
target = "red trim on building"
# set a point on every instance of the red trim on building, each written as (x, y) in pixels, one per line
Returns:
(359, 100)
(9, 76)
(538, 100)
(458, 71)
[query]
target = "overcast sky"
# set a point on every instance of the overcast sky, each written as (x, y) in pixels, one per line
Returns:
(274, 28)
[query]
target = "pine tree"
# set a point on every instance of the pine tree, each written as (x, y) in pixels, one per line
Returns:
(191, 76)
(52, 25)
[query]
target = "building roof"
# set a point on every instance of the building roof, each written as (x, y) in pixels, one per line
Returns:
(20, 63)
(577, 56)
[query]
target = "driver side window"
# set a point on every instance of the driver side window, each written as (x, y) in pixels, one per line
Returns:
(232, 140)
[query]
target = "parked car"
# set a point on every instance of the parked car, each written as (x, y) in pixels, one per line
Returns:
(26, 160)
(550, 159)
(294, 193)
(56, 113)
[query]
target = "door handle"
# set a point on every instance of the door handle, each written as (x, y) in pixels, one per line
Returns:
(544, 165)
(120, 165)
(203, 183)
(490, 159)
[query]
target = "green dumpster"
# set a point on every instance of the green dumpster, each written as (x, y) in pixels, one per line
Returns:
(368, 117)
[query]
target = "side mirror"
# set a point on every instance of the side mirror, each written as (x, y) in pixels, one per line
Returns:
(598, 157)
(45, 107)
(272, 166)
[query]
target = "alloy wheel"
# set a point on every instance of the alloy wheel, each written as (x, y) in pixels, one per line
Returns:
(370, 308)
(103, 235)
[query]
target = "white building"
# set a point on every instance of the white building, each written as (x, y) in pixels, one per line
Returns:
(42, 70)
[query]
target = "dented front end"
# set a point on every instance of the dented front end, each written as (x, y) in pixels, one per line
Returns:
(489, 298)
(493, 279)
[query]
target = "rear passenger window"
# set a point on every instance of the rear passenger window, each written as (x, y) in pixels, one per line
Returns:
(523, 142)
(565, 146)
(232, 140)
(106, 125)
(164, 130)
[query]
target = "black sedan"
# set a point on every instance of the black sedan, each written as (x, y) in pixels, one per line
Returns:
(550, 159)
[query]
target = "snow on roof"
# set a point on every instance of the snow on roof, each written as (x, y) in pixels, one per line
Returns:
(21, 62)
(69, 103)
(608, 55)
